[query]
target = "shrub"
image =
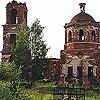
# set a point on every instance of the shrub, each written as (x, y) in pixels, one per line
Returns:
(9, 72)
(5, 92)
(10, 82)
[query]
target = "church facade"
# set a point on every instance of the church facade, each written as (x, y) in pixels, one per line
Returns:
(81, 55)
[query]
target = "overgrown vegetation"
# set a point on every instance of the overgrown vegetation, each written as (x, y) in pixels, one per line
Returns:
(38, 49)
(35, 94)
(21, 49)
(27, 56)
(10, 82)
(30, 50)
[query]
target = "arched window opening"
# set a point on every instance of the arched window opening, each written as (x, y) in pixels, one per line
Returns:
(69, 36)
(81, 35)
(93, 36)
(14, 19)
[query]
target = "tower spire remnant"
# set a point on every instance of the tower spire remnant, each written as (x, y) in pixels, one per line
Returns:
(82, 7)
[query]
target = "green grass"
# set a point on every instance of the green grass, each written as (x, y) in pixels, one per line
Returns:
(34, 94)
(90, 95)
(42, 84)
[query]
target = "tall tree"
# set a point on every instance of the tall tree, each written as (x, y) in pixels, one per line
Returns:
(38, 48)
(21, 51)
(30, 49)
(37, 44)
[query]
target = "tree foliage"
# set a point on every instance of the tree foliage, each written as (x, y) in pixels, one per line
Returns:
(38, 48)
(30, 49)
(10, 82)
(29, 43)
(21, 50)
(9, 72)
(37, 44)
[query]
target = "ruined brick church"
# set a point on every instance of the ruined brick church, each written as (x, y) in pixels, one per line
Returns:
(81, 55)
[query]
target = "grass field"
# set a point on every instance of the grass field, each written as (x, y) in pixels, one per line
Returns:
(34, 93)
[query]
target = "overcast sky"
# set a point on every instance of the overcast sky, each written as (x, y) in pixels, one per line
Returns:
(53, 14)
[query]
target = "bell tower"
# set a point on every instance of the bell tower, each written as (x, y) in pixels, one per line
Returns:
(16, 14)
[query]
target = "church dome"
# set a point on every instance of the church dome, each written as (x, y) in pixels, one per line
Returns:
(82, 17)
